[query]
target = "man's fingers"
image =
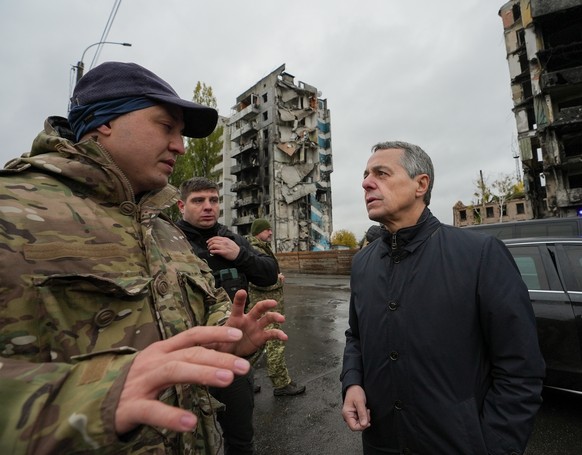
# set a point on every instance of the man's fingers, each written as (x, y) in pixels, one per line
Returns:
(271, 317)
(354, 420)
(197, 336)
(155, 370)
(275, 334)
(261, 308)
(192, 365)
(153, 413)
(363, 414)
(208, 357)
(176, 372)
(152, 372)
(239, 302)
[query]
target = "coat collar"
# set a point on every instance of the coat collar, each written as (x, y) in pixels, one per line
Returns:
(406, 240)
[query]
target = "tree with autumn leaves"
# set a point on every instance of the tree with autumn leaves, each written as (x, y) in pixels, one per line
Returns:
(345, 238)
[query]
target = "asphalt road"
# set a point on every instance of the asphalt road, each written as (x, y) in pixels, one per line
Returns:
(309, 424)
(316, 311)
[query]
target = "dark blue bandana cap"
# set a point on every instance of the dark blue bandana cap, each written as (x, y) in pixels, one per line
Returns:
(84, 119)
(112, 81)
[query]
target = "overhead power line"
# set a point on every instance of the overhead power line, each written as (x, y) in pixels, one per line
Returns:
(106, 31)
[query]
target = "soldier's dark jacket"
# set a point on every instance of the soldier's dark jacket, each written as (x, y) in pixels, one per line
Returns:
(89, 276)
(251, 266)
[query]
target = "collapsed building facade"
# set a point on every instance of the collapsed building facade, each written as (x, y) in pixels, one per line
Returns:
(543, 40)
(281, 145)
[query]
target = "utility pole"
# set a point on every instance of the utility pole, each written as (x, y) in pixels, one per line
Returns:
(482, 195)
(80, 67)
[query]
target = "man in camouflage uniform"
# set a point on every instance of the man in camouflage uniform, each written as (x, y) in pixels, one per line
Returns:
(101, 349)
(260, 239)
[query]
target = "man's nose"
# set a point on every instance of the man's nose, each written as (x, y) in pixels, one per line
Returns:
(177, 145)
(368, 182)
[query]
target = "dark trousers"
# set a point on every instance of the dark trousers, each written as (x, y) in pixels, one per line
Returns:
(236, 420)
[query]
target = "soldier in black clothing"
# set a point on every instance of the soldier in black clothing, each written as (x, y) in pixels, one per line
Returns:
(234, 263)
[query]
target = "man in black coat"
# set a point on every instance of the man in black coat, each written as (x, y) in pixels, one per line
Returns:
(234, 262)
(441, 353)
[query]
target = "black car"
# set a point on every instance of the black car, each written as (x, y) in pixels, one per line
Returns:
(547, 227)
(552, 270)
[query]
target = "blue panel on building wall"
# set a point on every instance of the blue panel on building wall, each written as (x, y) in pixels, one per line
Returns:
(314, 202)
(323, 142)
(321, 246)
(323, 127)
(320, 242)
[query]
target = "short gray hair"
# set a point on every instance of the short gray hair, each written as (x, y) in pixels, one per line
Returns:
(415, 161)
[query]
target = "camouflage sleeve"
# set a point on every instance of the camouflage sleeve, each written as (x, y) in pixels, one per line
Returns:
(46, 415)
(219, 310)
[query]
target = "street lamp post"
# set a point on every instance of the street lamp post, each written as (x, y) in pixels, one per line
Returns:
(81, 66)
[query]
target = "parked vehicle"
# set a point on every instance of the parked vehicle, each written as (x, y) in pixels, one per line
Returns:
(552, 270)
(547, 227)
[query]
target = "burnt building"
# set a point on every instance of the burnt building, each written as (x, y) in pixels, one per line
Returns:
(516, 209)
(543, 40)
(281, 146)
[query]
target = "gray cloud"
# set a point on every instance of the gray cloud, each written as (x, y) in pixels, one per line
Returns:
(432, 73)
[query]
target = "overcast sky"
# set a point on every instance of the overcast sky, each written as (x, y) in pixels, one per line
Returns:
(432, 73)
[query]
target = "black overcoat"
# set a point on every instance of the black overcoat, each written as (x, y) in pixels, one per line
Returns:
(442, 337)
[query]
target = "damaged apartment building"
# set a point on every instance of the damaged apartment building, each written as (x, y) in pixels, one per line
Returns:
(281, 147)
(543, 39)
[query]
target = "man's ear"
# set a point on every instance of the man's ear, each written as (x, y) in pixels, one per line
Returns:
(181, 205)
(104, 129)
(423, 181)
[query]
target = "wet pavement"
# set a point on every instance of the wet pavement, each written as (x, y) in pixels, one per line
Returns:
(316, 309)
(309, 424)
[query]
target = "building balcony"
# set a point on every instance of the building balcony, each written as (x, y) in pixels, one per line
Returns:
(243, 148)
(248, 113)
(561, 79)
(243, 184)
(239, 167)
(568, 119)
(247, 130)
(243, 220)
(245, 202)
(561, 57)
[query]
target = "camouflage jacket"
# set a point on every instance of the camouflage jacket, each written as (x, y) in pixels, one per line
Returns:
(88, 277)
(258, 293)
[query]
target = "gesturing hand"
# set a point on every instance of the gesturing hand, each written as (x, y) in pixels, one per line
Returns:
(177, 360)
(253, 325)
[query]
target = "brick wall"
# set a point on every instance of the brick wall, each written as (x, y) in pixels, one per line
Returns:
(333, 262)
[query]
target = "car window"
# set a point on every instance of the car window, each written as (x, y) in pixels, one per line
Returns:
(505, 232)
(529, 263)
(565, 228)
(574, 256)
